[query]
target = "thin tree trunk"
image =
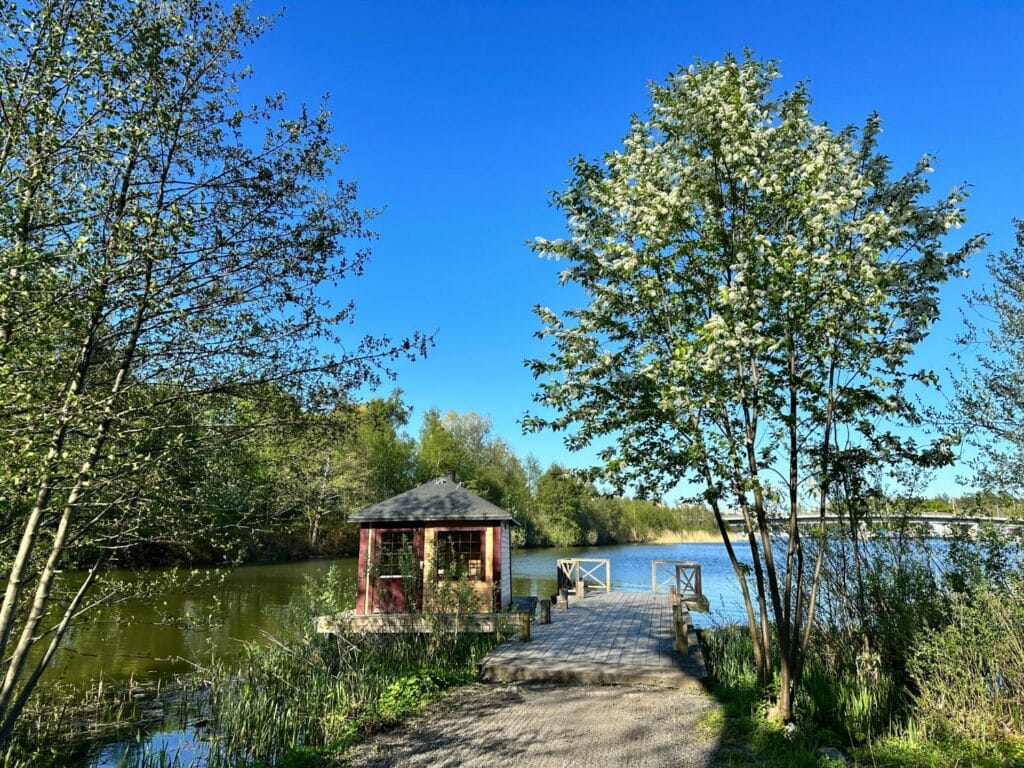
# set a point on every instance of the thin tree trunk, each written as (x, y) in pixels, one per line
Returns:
(8, 610)
(10, 717)
(762, 660)
(812, 599)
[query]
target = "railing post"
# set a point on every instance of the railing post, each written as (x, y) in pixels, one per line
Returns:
(563, 597)
(524, 626)
(545, 611)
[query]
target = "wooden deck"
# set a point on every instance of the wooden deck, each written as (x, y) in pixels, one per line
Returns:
(615, 637)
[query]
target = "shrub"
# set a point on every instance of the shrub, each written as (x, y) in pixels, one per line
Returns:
(970, 673)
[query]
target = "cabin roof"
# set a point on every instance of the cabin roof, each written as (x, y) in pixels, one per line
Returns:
(440, 500)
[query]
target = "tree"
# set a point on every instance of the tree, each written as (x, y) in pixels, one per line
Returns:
(561, 507)
(443, 445)
(755, 282)
(990, 394)
(389, 453)
(316, 470)
(163, 249)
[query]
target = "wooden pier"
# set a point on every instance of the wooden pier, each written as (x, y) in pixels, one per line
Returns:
(612, 637)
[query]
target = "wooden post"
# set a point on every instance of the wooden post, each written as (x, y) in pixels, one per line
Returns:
(545, 611)
(677, 626)
(524, 625)
(563, 597)
(677, 614)
(581, 588)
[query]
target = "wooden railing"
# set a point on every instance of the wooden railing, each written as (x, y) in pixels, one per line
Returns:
(681, 575)
(584, 572)
(680, 622)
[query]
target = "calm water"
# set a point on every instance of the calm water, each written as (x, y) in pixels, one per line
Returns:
(158, 637)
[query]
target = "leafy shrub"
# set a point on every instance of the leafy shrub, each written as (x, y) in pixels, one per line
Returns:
(970, 673)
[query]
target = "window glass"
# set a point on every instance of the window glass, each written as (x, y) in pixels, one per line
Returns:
(460, 553)
(392, 544)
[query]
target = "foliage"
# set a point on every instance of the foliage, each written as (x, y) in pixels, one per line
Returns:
(986, 555)
(165, 251)
(756, 284)
(989, 406)
(323, 595)
(881, 589)
(970, 672)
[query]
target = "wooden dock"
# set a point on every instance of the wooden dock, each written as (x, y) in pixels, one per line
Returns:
(613, 637)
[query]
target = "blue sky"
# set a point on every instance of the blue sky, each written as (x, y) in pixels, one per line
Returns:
(460, 118)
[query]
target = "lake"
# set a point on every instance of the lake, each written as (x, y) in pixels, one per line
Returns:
(159, 637)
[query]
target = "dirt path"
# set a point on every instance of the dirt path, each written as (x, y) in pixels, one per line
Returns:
(537, 725)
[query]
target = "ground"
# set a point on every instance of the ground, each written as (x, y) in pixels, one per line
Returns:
(549, 724)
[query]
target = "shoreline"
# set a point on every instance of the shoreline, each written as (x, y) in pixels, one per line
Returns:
(689, 537)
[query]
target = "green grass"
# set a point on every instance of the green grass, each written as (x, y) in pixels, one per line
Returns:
(838, 708)
(911, 750)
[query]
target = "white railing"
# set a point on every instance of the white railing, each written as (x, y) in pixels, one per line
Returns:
(584, 572)
(684, 575)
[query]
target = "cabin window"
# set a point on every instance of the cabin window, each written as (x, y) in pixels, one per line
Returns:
(460, 553)
(392, 545)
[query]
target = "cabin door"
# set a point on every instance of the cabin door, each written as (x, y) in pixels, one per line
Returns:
(399, 587)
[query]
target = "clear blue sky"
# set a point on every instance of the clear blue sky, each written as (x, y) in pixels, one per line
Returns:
(460, 119)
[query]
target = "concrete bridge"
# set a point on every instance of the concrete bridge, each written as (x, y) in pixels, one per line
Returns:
(941, 522)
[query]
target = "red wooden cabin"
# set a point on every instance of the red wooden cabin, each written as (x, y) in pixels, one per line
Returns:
(436, 531)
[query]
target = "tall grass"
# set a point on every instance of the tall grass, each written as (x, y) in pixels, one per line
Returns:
(324, 695)
(841, 695)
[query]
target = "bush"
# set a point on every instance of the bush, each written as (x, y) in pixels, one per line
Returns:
(970, 673)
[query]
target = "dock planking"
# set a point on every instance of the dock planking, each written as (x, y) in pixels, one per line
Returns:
(614, 637)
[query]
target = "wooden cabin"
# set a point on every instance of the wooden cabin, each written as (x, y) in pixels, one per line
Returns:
(424, 546)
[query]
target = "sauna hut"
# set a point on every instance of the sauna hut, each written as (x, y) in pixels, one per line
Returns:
(436, 532)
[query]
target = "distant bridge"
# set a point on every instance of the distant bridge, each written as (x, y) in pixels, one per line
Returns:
(941, 522)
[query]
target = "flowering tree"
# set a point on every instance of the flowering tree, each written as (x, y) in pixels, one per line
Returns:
(755, 282)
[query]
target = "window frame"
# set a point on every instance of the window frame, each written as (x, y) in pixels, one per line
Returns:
(388, 555)
(456, 539)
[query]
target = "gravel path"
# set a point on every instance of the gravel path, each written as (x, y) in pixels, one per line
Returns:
(528, 725)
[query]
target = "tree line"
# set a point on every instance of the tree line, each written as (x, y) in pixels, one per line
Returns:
(286, 489)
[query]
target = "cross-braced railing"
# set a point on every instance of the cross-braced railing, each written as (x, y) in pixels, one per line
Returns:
(584, 572)
(684, 575)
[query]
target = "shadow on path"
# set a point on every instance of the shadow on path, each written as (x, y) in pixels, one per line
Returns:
(546, 724)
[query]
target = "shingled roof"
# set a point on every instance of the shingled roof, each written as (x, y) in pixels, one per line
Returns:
(440, 500)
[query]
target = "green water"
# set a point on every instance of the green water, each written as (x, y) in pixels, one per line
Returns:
(160, 636)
